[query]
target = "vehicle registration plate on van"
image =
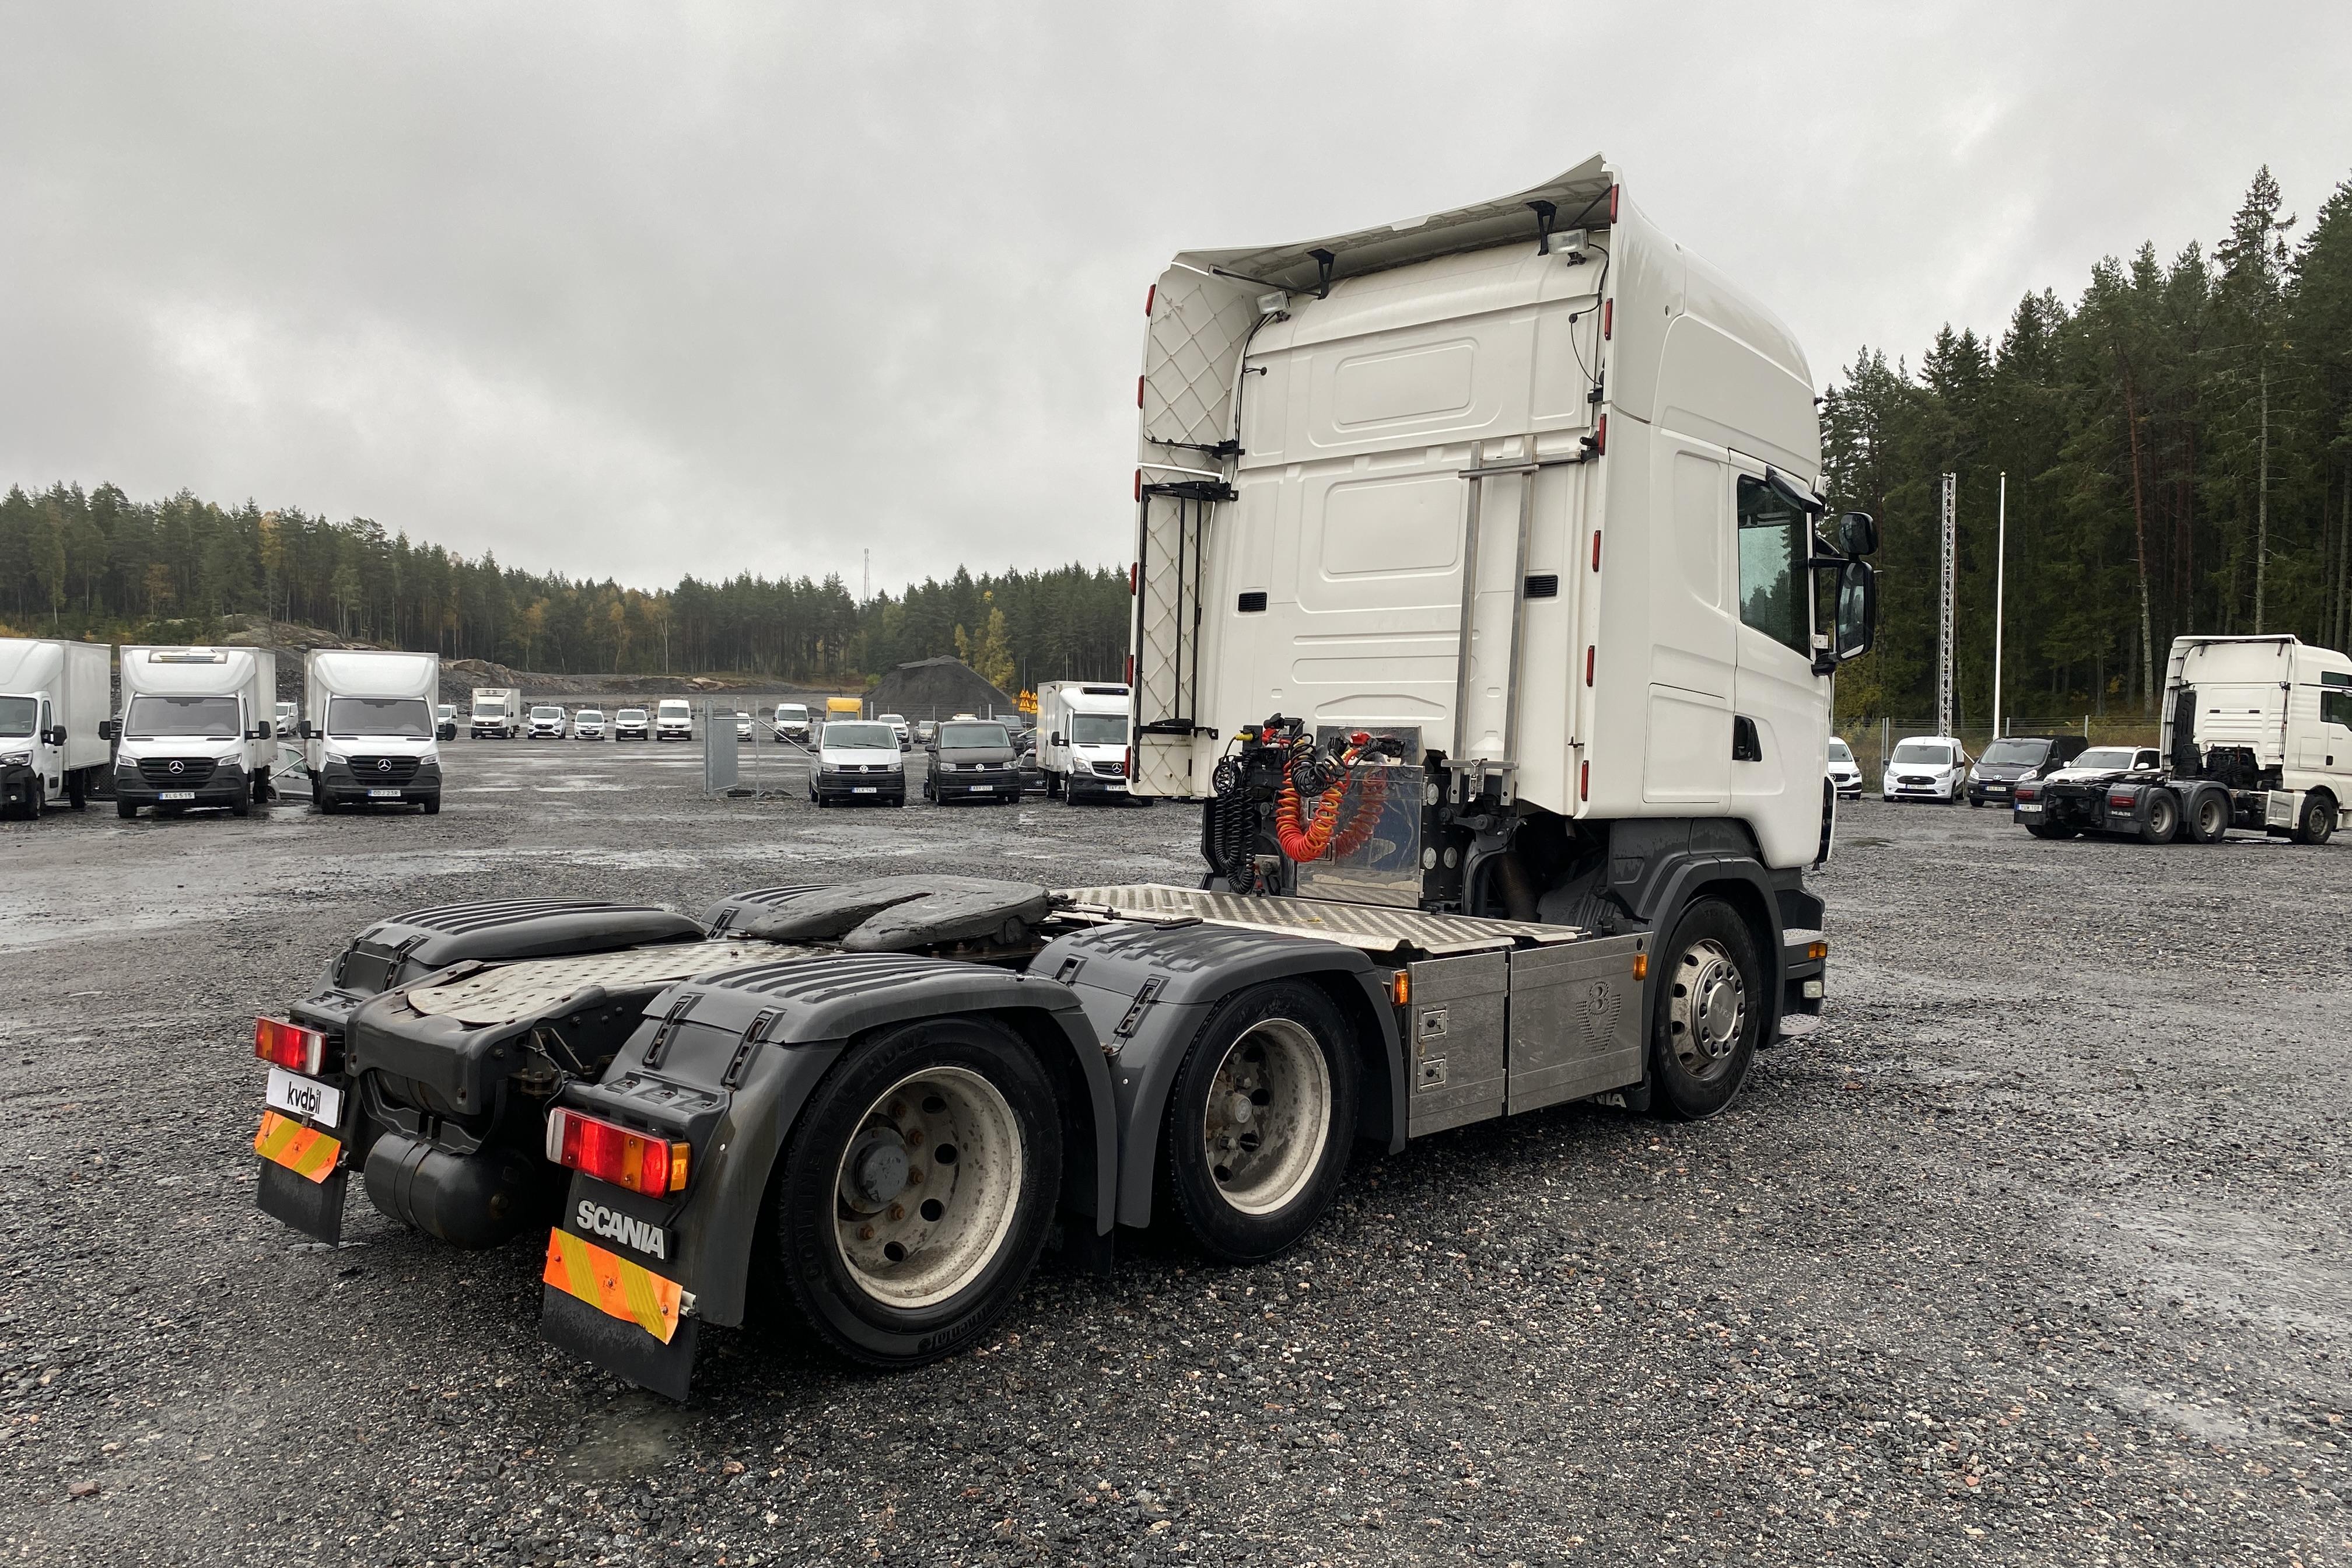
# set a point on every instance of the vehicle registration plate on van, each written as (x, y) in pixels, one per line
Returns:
(176, 795)
(306, 1097)
(384, 794)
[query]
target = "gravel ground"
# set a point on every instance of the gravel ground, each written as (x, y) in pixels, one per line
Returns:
(2036, 1253)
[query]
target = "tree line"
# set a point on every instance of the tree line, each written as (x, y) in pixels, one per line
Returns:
(2177, 442)
(101, 565)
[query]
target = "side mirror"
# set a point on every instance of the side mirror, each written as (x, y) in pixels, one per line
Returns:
(1857, 610)
(56, 735)
(1056, 739)
(303, 729)
(1858, 533)
(106, 728)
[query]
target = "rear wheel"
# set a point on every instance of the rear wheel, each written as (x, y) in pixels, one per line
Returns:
(1711, 1010)
(2317, 823)
(917, 1190)
(2163, 819)
(1260, 1122)
(77, 790)
(2209, 818)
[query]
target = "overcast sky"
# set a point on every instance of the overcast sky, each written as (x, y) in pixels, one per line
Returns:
(638, 289)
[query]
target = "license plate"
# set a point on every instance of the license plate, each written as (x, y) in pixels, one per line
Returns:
(306, 1097)
(865, 789)
(983, 789)
(384, 794)
(2029, 811)
(177, 794)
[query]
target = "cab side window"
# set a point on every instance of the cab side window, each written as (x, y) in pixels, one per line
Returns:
(1772, 551)
(2336, 708)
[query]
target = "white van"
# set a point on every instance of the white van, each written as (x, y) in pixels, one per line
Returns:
(1083, 724)
(53, 701)
(546, 723)
(196, 729)
(1925, 767)
(674, 719)
(368, 729)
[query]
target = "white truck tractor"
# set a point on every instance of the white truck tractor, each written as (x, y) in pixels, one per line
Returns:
(496, 713)
(368, 729)
(1083, 731)
(196, 729)
(2257, 736)
(54, 697)
(1481, 596)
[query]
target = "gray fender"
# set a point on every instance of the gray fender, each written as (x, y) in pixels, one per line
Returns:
(729, 1059)
(1659, 867)
(1148, 989)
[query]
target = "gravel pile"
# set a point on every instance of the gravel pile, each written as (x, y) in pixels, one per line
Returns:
(2037, 1253)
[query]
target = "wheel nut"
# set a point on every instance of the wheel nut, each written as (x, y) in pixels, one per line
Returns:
(864, 1233)
(898, 1212)
(914, 1138)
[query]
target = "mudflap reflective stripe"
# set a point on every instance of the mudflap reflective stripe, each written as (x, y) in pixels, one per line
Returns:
(305, 1151)
(612, 1284)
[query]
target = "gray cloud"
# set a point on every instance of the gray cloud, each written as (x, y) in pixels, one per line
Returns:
(632, 290)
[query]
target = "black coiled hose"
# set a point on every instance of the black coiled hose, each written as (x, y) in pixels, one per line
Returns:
(1230, 835)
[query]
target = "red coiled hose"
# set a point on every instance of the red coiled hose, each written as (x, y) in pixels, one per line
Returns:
(1312, 839)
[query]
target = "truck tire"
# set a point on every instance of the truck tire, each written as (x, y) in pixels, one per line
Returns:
(432, 803)
(2316, 825)
(2208, 817)
(917, 1189)
(242, 805)
(125, 809)
(1712, 1008)
(2163, 824)
(1260, 1122)
(77, 792)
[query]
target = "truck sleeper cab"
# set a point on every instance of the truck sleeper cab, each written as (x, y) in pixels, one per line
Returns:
(915, 1082)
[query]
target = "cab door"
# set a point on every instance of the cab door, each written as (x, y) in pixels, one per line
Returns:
(48, 760)
(1779, 707)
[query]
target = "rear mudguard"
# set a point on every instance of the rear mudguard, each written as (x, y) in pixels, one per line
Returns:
(728, 1059)
(1148, 989)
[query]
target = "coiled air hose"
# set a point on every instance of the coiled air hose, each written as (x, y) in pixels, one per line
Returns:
(1310, 836)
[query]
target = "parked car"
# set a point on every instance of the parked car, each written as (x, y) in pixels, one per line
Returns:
(899, 727)
(859, 760)
(792, 723)
(631, 724)
(926, 730)
(445, 721)
(287, 719)
(1927, 767)
(588, 724)
(2014, 758)
(743, 725)
(1844, 772)
(546, 723)
(971, 759)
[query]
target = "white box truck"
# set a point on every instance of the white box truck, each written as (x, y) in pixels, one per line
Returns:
(368, 729)
(1082, 738)
(2257, 736)
(196, 729)
(1511, 727)
(54, 699)
(496, 713)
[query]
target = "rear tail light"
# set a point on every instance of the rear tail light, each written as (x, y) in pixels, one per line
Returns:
(2029, 792)
(1139, 484)
(1588, 664)
(1149, 295)
(1138, 392)
(654, 1166)
(1134, 577)
(1596, 549)
(1607, 318)
(2121, 799)
(1585, 781)
(1600, 436)
(289, 1045)
(1130, 670)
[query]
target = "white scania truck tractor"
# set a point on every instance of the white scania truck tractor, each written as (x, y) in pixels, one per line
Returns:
(54, 697)
(368, 729)
(1483, 595)
(196, 729)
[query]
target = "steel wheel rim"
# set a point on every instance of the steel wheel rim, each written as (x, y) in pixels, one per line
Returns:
(1706, 1009)
(927, 1187)
(1268, 1118)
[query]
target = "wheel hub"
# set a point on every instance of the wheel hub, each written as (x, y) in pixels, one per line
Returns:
(1707, 1007)
(1268, 1116)
(927, 1187)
